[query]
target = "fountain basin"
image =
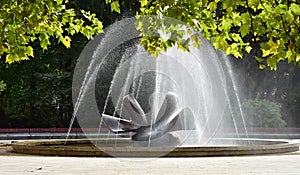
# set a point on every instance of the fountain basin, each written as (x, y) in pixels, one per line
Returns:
(85, 148)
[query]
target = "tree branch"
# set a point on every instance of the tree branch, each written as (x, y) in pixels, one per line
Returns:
(292, 39)
(251, 23)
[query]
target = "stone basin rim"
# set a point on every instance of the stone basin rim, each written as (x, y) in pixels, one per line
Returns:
(45, 147)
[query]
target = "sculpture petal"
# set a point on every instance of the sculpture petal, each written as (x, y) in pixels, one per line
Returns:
(161, 127)
(169, 105)
(132, 111)
(117, 124)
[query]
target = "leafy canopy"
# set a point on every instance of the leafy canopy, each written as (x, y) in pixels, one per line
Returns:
(23, 22)
(270, 30)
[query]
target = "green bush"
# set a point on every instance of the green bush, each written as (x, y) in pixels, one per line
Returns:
(263, 113)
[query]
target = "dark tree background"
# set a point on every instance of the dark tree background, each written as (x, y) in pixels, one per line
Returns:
(39, 92)
(277, 88)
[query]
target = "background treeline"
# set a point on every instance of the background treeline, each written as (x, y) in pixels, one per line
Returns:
(39, 92)
(269, 98)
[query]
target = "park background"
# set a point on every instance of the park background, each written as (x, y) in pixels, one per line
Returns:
(37, 93)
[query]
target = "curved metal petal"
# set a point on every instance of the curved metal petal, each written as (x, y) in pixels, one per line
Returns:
(161, 127)
(169, 105)
(132, 111)
(118, 125)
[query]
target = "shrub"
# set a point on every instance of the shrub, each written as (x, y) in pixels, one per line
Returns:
(263, 113)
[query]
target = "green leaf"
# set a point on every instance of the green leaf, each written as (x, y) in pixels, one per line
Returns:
(262, 66)
(266, 52)
(245, 18)
(297, 57)
(271, 61)
(30, 51)
(236, 21)
(259, 59)
(289, 56)
(280, 9)
(212, 6)
(44, 41)
(289, 17)
(67, 41)
(295, 8)
(226, 25)
(10, 58)
(244, 30)
(115, 6)
(143, 2)
(4, 48)
(248, 49)
(228, 4)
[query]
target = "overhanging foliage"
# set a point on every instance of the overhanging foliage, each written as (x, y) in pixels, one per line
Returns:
(23, 22)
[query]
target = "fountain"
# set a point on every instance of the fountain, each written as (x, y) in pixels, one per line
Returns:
(179, 104)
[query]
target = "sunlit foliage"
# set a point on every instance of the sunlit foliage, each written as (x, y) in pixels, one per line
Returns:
(23, 22)
(270, 30)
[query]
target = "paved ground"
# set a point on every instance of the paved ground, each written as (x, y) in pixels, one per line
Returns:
(11, 164)
(14, 164)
